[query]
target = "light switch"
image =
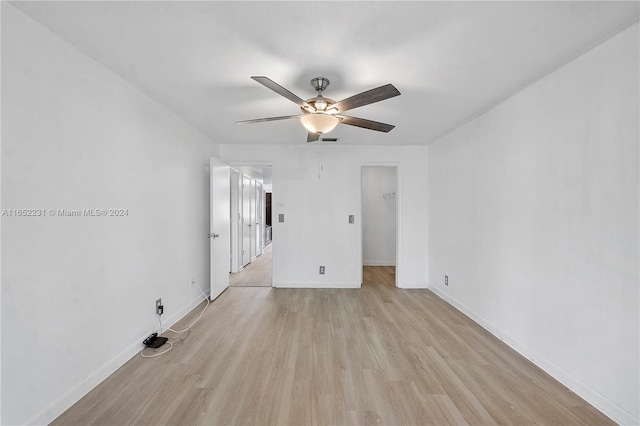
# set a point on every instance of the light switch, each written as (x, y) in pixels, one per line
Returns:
(352, 218)
(281, 217)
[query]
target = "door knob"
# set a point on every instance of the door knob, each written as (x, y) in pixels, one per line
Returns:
(213, 236)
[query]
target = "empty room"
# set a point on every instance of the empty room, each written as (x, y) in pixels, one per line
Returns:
(299, 213)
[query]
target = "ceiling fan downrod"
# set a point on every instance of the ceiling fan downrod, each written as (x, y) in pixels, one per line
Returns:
(319, 84)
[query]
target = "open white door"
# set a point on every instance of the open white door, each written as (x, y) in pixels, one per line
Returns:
(258, 219)
(219, 226)
(252, 220)
(246, 220)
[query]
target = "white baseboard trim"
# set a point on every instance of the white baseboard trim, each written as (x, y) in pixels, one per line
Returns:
(405, 286)
(379, 263)
(77, 392)
(593, 397)
(410, 286)
(315, 285)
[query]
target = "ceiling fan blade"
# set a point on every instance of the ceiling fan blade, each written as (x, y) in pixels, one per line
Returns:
(365, 98)
(260, 120)
(365, 124)
(267, 82)
(312, 137)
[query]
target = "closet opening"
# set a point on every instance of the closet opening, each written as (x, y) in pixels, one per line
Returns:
(379, 198)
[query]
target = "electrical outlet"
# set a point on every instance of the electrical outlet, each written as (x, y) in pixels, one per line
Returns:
(159, 307)
(321, 270)
(446, 280)
(352, 218)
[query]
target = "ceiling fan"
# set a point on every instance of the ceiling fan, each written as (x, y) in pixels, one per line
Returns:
(321, 115)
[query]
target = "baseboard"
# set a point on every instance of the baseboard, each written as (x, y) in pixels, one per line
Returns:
(411, 286)
(404, 286)
(76, 393)
(316, 285)
(593, 397)
(379, 263)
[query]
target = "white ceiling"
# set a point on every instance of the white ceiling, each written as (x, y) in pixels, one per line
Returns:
(450, 60)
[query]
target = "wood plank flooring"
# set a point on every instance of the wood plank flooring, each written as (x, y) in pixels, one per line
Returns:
(375, 355)
(255, 274)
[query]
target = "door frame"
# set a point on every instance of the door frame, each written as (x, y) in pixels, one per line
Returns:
(235, 217)
(398, 167)
(246, 205)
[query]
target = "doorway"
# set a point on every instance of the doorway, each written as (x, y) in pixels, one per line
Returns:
(379, 198)
(253, 250)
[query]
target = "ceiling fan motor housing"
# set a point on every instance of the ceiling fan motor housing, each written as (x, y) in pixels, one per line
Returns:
(320, 83)
(319, 103)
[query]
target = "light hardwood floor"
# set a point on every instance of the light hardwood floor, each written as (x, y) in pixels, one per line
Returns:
(256, 273)
(375, 355)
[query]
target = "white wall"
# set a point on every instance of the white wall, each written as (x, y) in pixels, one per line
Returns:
(78, 293)
(378, 216)
(317, 187)
(534, 216)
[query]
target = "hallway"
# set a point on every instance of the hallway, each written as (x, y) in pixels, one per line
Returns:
(256, 273)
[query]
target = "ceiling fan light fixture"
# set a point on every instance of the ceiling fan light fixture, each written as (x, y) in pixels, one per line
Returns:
(319, 123)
